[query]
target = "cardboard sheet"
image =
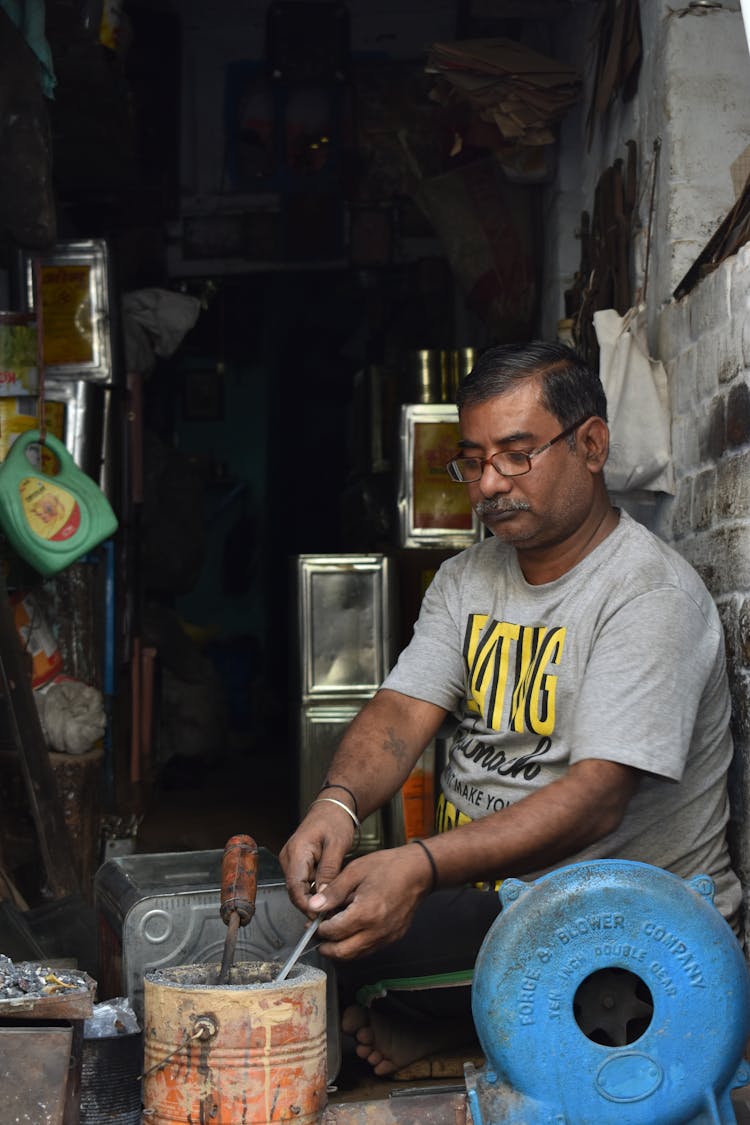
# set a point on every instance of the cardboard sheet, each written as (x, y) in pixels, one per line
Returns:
(520, 90)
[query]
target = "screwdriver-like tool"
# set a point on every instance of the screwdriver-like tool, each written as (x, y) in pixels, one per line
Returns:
(239, 884)
(299, 949)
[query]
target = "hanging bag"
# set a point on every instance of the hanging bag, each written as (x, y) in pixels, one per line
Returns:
(638, 404)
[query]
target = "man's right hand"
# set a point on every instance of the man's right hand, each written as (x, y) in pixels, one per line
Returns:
(372, 902)
(314, 855)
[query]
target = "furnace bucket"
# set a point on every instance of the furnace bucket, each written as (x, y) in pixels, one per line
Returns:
(245, 1053)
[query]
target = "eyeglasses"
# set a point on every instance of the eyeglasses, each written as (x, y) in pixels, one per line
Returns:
(508, 463)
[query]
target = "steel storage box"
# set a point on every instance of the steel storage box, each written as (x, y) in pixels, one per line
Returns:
(161, 910)
(344, 637)
(156, 911)
(75, 280)
(433, 511)
(344, 624)
(84, 406)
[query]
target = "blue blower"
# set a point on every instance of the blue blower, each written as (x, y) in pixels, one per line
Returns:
(609, 993)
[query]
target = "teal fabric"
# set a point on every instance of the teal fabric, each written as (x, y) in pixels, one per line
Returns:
(28, 17)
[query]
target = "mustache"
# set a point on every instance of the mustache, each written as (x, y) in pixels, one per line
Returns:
(487, 507)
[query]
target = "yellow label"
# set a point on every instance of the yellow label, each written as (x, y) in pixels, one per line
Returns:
(51, 512)
(19, 415)
(437, 502)
(68, 333)
(109, 32)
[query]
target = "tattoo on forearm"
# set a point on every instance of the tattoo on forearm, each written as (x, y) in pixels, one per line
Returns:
(395, 746)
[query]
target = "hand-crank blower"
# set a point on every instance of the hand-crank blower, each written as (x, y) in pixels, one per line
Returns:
(609, 993)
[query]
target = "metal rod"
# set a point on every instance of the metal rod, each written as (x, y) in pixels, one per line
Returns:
(299, 949)
(230, 943)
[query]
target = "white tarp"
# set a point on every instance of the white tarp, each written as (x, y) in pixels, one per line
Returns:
(640, 454)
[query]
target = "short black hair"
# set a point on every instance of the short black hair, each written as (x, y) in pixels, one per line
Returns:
(570, 388)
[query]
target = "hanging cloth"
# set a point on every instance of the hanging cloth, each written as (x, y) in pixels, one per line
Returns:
(28, 17)
(154, 324)
(640, 454)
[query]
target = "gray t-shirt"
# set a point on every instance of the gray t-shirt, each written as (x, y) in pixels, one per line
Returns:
(622, 659)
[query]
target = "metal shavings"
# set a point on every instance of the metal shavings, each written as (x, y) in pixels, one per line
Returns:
(30, 978)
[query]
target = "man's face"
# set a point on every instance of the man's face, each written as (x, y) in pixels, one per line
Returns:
(544, 506)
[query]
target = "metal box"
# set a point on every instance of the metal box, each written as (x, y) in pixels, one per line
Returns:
(321, 728)
(84, 405)
(433, 511)
(75, 296)
(35, 1064)
(344, 624)
(161, 910)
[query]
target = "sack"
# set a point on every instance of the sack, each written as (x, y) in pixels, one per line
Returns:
(640, 455)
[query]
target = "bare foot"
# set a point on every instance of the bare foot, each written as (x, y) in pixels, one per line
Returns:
(388, 1045)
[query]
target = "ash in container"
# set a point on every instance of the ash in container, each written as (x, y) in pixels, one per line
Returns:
(246, 974)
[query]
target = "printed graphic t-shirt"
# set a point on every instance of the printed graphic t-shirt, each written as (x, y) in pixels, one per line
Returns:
(621, 659)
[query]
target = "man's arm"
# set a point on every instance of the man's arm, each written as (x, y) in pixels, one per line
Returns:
(542, 829)
(376, 895)
(382, 745)
(375, 757)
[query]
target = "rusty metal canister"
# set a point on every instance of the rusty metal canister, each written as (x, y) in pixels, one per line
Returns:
(250, 1052)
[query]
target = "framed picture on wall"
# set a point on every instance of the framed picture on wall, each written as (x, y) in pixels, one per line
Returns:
(204, 395)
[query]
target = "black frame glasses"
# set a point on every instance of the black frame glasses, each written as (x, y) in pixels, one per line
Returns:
(508, 463)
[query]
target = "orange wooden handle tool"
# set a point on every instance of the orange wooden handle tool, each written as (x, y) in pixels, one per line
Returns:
(239, 879)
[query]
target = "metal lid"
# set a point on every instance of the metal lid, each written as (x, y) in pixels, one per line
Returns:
(11, 317)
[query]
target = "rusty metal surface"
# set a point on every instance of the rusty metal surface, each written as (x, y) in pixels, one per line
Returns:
(441, 1107)
(68, 1004)
(34, 1065)
(237, 1052)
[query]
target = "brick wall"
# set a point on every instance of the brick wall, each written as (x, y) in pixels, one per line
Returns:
(693, 94)
(704, 341)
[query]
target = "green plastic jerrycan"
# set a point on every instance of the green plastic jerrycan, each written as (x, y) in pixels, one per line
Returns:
(51, 520)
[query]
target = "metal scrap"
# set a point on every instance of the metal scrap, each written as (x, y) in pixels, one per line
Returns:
(31, 978)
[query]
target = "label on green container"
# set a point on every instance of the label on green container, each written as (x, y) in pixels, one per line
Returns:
(51, 512)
